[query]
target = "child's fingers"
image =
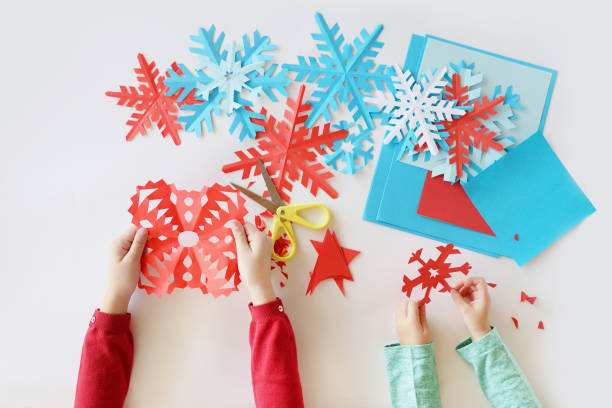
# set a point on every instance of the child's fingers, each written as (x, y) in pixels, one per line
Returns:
(254, 236)
(122, 245)
(461, 303)
(423, 315)
(412, 313)
(138, 244)
(240, 236)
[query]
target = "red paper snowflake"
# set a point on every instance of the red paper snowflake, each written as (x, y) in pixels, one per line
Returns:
(468, 130)
(289, 150)
(434, 272)
(189, 245)
(151, 103)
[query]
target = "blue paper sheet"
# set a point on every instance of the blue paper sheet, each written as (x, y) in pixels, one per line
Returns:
(531, 194)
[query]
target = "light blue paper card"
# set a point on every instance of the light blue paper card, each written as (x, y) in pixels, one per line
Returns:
(529, 193)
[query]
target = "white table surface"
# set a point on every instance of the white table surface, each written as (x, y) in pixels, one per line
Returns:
(67, 176)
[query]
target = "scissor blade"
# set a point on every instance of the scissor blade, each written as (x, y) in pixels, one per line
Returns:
(276, 198)
(257, 198)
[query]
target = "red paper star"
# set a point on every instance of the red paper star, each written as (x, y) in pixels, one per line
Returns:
(332, 262)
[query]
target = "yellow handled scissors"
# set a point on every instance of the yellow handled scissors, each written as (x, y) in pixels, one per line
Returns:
(284, 214)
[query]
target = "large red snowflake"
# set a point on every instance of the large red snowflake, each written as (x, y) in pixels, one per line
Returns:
(468, 130)
(189, 245)
(434, 272)
(289, 150)
(150, 102)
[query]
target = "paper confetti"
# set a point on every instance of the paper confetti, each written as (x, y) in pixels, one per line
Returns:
(289, 150)
(434, 272)
(189, 245)
(515, 321)
(332, 262)
(541, 325)
(343, 72)
(525, 298)
(224, 80)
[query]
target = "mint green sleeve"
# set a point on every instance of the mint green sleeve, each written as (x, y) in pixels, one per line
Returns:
(413, 380)
(501, 379)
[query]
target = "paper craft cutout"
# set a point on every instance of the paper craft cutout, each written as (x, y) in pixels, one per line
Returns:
(332, 262)
(224, 80)
(152, 102)
(414, 108)
(525, 298)
(516, 237)
(492, 284)
(476, 138)
(449, 203)
(343, 72)
(189, 245)
(289, 150)
(515, 321)
(353, 152)
(541, 325)
(529, 192)
(433, 272)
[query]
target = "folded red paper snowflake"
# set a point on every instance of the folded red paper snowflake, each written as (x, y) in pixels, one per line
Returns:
(189, 245)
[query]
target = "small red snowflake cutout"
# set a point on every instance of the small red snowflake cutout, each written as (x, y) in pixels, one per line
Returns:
(189, 245)
(434, 272)
(150, 102)
(332, 262)
(289, 150)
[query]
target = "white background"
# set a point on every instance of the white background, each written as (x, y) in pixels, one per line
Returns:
(67, 176)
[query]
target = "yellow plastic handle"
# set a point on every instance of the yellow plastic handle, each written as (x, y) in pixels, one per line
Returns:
(278, 227)
(291, 213)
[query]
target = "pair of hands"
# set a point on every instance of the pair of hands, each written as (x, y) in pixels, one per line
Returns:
(471, 298)
(253, 248)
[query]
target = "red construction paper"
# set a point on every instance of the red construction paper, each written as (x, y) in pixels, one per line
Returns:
(525, 298)
(492, 284)
(449, 203)
(289, 150)
(171, 215)
(515, 321)
(433, 272)
(541, 325)
(332, 262)
(151, 102)
(516, 237)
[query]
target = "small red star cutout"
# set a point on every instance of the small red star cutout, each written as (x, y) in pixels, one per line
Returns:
(332, 262)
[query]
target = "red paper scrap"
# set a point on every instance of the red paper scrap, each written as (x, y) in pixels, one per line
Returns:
(151, 102)
(332, 262)
(492, 284)
(281, 247)
(433, 272)
(516, 237)
(189, 245)
(525, 298)
(515, 322)
(289, 150)
(541, 325)
(449, 203)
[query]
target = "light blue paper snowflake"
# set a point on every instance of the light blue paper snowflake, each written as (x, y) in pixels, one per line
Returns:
(343, 72)
(224, 80)
(354, 151)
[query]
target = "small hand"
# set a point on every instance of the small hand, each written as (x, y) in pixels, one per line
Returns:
(411, 324)
(125, 253)
(254, 249)
(472, 299)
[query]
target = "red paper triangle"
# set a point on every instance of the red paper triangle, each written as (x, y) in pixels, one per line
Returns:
(449, 203)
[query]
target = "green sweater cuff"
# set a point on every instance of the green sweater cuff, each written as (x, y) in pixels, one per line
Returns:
(469, 349)
(397, 351)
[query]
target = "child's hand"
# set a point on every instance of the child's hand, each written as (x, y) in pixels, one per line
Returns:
(125, 256)
(411, 324)
(472, 299)
(254, 248)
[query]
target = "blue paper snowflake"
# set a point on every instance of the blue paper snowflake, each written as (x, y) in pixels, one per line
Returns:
(224, 79)
(355, 151)
(343, 72)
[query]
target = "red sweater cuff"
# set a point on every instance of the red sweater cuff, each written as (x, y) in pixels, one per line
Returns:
(114, 323)
(270, 310)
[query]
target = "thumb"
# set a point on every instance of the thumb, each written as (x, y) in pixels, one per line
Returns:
(138, 244)
(459, 301)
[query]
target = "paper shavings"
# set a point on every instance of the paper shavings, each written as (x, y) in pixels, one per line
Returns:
(289, 150)
(332, 262)
(434, 272)
(189, 245)
(526, 298)
(151, 102)
(343, 72)
(415, 108)
(225, 79)
(353, 152)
